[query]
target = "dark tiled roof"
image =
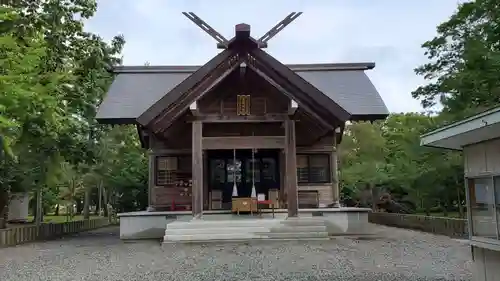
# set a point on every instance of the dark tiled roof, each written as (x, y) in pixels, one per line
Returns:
(136, 88)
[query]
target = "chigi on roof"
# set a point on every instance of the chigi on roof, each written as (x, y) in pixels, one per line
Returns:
(343, 87)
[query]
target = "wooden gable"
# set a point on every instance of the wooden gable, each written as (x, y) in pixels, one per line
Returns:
(262, 98)
(222, 70)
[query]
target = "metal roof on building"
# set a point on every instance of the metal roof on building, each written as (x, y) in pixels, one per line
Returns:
(475, 129)
(136, 88)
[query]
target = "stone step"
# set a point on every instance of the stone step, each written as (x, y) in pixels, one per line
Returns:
(201, 224)
(291, 235)
(303, 222)
(210, 237)
(258, 240)
(245, 230)
(218, 230)
(301, 228)
(244, 236)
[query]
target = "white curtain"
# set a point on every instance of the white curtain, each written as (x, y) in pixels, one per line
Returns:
(235, 190)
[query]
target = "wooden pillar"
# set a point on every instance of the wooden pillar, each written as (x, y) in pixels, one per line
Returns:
(291, 169)
(206, 194)
(335, 172)
(151, 181)
(282, 170)
(197, 154)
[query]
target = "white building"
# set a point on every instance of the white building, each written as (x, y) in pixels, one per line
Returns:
(479, 139)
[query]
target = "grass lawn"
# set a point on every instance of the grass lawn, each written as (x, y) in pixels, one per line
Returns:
(61, 218)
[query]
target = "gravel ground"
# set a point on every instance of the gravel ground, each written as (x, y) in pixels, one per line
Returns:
(99, 255)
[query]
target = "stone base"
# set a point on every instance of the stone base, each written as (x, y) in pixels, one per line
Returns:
(338, 221)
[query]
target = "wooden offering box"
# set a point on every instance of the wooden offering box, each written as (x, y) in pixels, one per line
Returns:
(244, 204)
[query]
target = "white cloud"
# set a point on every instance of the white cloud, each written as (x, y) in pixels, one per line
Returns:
(388, 32)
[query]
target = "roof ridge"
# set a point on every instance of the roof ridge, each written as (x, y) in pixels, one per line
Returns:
(192, 68)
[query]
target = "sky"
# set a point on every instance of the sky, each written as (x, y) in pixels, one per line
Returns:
(387, 32)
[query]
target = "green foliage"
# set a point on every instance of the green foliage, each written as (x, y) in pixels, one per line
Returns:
(53, 75)
(464, 61)
(388, 154)
(463, 67)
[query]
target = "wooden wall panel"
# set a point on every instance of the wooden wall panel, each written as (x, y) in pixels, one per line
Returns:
(242, 129)
(264, 97)
(248, 142)
(324, 192)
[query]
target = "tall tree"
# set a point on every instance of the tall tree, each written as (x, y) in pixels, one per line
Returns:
(32, 112)
(388, 155)
(62, 75)
(464, 61)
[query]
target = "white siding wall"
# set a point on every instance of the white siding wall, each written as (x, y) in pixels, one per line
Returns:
(486, 265)
(482, 158)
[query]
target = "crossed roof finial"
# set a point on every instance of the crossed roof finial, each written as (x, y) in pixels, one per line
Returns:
(223, 43)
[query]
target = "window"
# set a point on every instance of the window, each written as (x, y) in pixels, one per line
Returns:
(482, 207)
(313, 168)
(165, 170)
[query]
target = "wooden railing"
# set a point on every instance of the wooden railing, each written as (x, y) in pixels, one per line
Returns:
(452, 227)
(46, 231)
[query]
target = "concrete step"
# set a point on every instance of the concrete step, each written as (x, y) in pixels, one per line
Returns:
(258, 240)
(223, 224)
(245, 230)
(303, 222)
(245, 237)
(292, 235)
(301, 228)
(210, 237)
(218, 230)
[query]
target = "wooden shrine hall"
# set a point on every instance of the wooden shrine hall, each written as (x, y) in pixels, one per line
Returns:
(242, 128)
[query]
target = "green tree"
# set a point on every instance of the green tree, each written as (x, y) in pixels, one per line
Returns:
(29, 101)
(464, 61)
(59, 74)
(388, 156)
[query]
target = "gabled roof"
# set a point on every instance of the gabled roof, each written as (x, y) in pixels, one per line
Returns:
(137, 88)
(171, 99)
(162, 114)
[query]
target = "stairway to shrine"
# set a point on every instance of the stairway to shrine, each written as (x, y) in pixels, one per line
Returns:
(245, 229)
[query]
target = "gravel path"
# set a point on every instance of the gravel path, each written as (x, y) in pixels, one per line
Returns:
(396, 255)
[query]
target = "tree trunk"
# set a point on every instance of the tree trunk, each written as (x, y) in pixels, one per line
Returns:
(86, 204)
(33, 205)
(375, 196)
(4, 207)
(365, 193)
(459, 198)
(99, 192)
(105, 197)
(39, 206)
(56, 212)
(79, 205)
(427, 211)
(67, 212)
(71, 209)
